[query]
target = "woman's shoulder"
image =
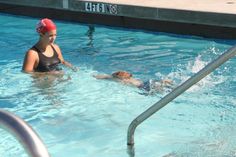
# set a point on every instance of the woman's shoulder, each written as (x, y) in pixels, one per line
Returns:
(31, 56)
(32, 52)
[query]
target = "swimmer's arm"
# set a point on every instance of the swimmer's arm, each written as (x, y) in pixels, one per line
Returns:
(69, 65)
(167, 82)
(103, 76)
(133, 82)
(29, 61)
(138, 83)
(60, 56)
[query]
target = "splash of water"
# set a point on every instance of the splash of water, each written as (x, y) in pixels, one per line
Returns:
(184, 73)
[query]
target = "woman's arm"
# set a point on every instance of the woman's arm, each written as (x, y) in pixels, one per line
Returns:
(60, 56)
(30, 61)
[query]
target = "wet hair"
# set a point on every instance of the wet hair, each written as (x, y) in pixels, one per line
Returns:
(122, 75)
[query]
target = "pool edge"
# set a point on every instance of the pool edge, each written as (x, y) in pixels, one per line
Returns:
(205, 24)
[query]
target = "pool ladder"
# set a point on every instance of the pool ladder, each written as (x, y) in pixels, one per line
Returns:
(24, 134)
(176, 92)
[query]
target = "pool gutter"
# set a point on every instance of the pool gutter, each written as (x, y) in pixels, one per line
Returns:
(183, 17)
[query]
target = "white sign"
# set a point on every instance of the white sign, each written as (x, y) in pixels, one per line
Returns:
(95, 7)
(100, 8)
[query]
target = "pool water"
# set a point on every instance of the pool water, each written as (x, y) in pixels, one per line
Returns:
(85, 117)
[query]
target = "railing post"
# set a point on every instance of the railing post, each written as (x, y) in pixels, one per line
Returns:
(24, 134)
(177, 91)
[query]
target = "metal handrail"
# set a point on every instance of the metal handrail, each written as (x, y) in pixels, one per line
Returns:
(24, 134)
(177, 91)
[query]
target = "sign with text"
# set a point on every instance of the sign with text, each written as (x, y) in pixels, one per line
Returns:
(100, 8)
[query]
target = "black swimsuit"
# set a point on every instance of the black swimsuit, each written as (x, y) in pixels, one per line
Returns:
(47, 64)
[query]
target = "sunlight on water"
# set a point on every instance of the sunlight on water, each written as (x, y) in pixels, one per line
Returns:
(78, 115)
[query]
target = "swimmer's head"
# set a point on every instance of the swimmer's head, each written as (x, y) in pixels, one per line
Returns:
(45, 25)
(122, 75)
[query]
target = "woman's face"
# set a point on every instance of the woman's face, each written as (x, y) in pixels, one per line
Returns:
(50, 36)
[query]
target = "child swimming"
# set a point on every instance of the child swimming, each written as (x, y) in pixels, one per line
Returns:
(127, 79)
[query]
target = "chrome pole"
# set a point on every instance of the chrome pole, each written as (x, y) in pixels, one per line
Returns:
(24, 134)
(177, 91)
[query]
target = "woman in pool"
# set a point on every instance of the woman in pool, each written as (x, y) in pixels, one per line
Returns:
(45, 55)
(126, 78)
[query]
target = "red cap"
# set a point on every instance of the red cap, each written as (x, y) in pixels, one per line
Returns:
(45, 25)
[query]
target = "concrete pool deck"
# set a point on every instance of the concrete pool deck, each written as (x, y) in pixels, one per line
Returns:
(208, 18)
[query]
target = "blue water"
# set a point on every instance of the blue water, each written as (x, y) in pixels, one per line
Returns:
(85, 117)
